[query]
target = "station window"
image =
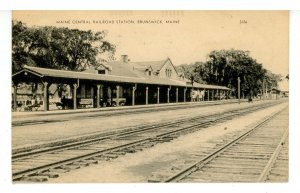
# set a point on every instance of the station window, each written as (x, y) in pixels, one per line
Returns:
(101, 71)
(168, 72)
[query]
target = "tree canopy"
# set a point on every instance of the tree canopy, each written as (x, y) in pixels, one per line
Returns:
(57, 47)
(190, 71)
(223, 67)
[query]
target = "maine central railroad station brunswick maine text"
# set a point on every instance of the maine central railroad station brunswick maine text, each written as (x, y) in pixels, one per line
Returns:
(118, 21)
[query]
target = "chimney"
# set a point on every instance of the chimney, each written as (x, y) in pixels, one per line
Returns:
(124, 58)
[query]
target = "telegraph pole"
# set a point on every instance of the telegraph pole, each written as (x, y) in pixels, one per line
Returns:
(263, 89)
(239, 89)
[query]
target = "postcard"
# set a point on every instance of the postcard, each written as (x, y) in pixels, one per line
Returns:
(150, 96)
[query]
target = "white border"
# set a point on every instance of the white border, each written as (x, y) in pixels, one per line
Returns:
(294, 97)
(5, 79)
(5, 139)
(150, 4)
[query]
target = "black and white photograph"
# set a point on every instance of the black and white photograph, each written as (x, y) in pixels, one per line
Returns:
(150, 97)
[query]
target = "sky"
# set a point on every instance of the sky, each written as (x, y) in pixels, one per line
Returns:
(193, 35)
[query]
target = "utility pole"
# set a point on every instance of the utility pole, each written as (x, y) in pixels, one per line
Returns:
(239, 89)
(263, 89)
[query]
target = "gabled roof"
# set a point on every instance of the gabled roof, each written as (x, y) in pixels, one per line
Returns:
(142, 67)
(121, 72)
(156, 65)
(104, 66)
(120, 68)
(45, 72)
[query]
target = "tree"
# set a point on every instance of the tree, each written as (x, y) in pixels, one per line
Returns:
(57, 47)
(190, 71)
(223, 67)
(272, 79)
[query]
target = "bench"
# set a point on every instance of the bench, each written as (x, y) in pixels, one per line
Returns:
(85, 102)
(115, 101)
(34, 106)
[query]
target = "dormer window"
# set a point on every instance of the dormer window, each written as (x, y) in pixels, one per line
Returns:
(148, 71)
(101, 71)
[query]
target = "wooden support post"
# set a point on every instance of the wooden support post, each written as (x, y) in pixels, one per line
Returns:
(239, 90)
(207, 95)
(157, 95)
(117, 95)
(75, 86)
(98, 96)
(168, 95)
(133, 95)
(15, 97)
(147, 89)
(46, 99)
(184, 94)
(176, 95)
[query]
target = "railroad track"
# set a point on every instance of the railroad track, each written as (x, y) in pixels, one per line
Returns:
(39, 165)
(97, 135)
(112, 112)
(279, 171)
(257, 155)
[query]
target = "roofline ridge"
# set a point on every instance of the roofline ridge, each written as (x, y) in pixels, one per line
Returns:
(82, 72)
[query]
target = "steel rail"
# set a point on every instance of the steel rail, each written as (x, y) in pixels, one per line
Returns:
(273, 158)
(32, 171)
(30, 152)
(200, 163)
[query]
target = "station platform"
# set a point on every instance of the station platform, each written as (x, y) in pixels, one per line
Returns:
(70, 127)
(118, 108)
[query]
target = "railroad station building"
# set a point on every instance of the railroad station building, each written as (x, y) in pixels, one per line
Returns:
(115, 83)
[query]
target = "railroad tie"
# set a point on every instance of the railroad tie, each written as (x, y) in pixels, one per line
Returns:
(34, 179)
(49, 174)
(69, 167)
